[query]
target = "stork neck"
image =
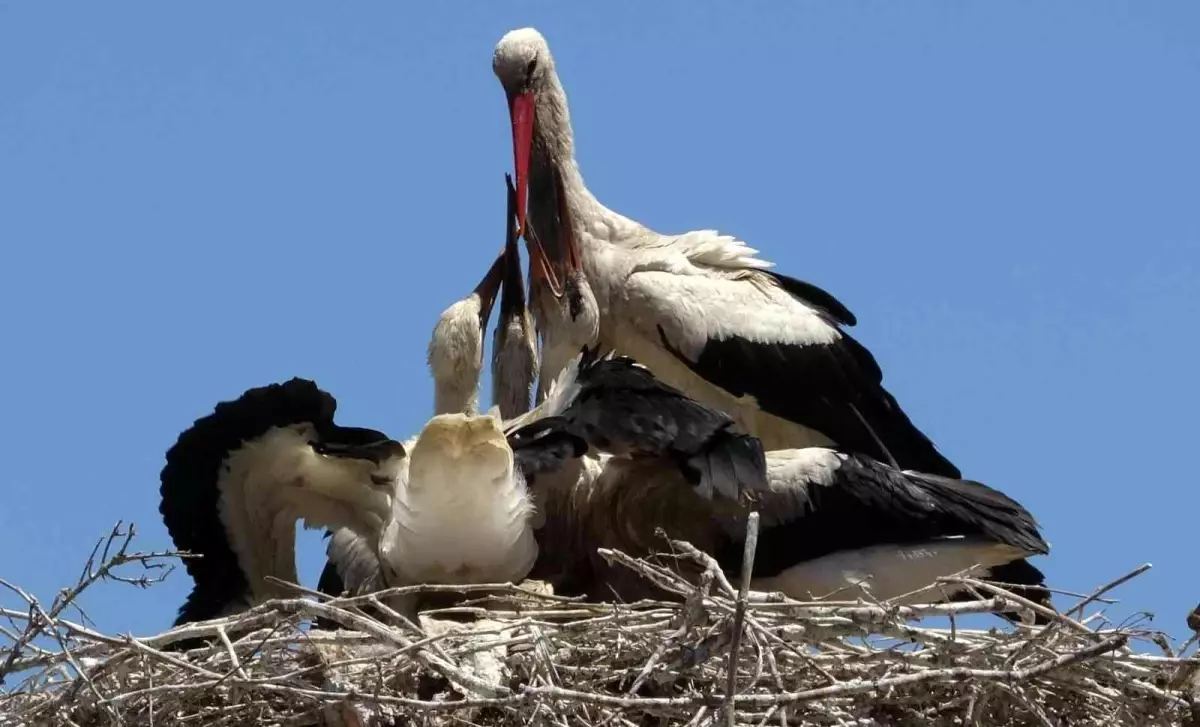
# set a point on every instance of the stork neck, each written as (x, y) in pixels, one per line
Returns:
(455, 397)
(554, 146)
(263, 537)
(260, 504)
(601, 233)
(514, 366)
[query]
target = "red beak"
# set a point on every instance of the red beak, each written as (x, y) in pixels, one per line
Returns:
(520, 109)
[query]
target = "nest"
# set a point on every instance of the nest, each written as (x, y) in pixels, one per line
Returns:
(520, 655)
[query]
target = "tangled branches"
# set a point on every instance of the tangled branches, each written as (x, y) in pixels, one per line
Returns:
(520, 655)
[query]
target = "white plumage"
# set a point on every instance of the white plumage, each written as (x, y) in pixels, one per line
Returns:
(461, 511)
(464, 516)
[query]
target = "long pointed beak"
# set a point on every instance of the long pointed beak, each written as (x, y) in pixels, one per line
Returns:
(512, 293)
(487, 290)
(521, 112)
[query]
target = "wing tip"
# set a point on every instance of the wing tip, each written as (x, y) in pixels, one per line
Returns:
(1024, 579)
(732, 465)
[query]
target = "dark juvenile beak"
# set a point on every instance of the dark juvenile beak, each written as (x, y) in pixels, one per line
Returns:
(487, 290)
(521, 112)
(357, 443)
(512, 293)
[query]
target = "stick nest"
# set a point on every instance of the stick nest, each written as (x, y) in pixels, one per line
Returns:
(520, 655)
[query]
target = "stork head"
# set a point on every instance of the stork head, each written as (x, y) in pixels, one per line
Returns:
(347, 475)
(456, 346)
(524, 66)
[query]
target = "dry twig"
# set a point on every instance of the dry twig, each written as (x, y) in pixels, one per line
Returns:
(567, 662)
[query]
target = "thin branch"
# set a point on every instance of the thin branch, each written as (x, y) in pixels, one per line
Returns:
(739, 616)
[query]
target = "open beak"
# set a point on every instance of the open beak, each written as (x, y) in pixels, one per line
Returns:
(487, 290)
(520, 111)
(555, 264)
(541, 267)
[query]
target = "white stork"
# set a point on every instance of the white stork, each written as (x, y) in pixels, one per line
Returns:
(455, 354)
(445, 506)
(700, 309)
(832, 522)
(824, 526)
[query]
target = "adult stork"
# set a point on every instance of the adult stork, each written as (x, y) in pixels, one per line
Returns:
(832, 522)
(700, 309)
(830, 518)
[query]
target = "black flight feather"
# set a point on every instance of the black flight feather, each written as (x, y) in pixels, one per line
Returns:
(824, 387)
(622, 409)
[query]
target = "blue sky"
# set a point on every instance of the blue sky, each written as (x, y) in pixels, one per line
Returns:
(195, 200)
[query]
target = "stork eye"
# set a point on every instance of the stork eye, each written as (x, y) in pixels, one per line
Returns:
(530, 68)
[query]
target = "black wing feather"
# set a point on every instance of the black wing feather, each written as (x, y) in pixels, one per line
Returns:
(545, 446)
(816, 297)
(870, 503)
(623, 409)
(825, 387)
(333, 583)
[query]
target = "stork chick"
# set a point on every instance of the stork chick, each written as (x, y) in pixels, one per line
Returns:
(456, 347)
(514, 348)
(461, 516)
(238, 479)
